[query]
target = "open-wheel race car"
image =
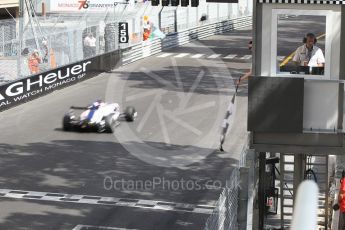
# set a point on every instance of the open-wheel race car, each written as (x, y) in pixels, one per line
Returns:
(99, 117)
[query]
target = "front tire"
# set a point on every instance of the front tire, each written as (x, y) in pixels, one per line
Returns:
(108, 126)
(130, 114)
(66, 122)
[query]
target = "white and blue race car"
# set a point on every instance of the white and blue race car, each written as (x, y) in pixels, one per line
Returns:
(99, 117)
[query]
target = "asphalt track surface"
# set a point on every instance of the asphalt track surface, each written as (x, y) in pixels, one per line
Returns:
(181, 103)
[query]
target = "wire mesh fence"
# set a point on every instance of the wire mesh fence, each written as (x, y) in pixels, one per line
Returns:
(8, 40)
(224, 216)
(49, 42)
(8, 50)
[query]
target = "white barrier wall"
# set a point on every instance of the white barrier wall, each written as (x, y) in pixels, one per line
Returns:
(9, 3)
(151, 47)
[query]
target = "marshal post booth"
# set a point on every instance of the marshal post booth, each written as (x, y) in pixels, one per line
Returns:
(296, 98)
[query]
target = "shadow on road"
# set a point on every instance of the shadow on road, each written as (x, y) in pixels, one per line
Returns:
(214, 81)
(81, 167)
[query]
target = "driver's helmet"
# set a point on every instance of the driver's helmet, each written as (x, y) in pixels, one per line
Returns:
(96, 104)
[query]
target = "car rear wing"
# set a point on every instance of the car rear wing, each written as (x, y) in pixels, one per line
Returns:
(79, 108)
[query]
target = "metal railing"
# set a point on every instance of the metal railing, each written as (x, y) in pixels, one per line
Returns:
(139, 51)
(8, 42)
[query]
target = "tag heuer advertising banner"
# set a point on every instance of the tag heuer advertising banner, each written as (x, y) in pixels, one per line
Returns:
(26, 89)
(81, 5)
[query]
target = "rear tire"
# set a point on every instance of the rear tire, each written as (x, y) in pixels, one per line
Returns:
(66, 122)
(130, 113)
(108, 123)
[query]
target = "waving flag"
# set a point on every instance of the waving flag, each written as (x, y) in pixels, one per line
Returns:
(226, 122)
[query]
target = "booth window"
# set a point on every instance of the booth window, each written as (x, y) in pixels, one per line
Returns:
(300, 44)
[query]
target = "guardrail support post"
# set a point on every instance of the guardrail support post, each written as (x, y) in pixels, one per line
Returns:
(261, 192)
(299, 172)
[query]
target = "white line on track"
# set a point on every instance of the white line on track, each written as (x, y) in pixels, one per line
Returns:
(165, 55)
(231, 56)
(214, 56)
(110, 201)
(197, 55)
(246, 57)
(85, 227)
(181, 55)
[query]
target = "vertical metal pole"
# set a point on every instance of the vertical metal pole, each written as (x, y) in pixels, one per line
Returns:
(229, 10)
(261, 192)
(196, 19)
(282, 181)
(63, 57)
(72, 48)
(299, 172)
(175, 20)
(115, 4)
(50, 49)
(133, 31)
(20, 37)
(160, 17)
(187, 17)
(217, 12)
(3, 40)
(247, 8)
(43, 9)
(327, 193)
(32, 21)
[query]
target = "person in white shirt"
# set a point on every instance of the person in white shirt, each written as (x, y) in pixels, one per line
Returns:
(90, 45)
(309, 54)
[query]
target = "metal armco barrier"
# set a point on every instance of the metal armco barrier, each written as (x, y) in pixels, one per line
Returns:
(137, 52)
